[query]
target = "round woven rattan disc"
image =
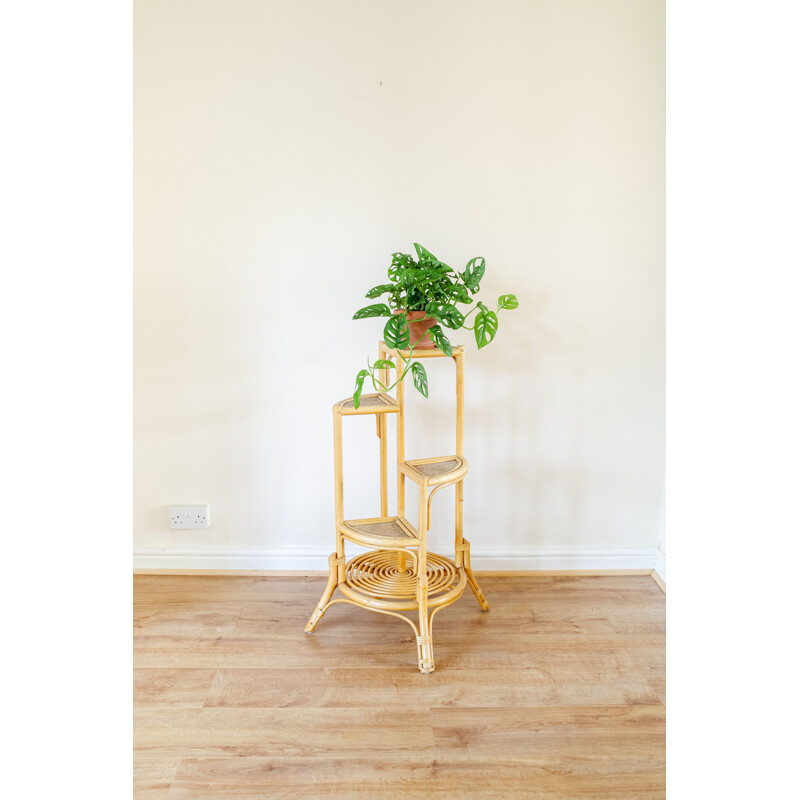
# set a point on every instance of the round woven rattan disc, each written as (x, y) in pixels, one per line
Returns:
(377, 573)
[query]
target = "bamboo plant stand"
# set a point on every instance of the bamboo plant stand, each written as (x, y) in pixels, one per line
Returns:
(398, 574)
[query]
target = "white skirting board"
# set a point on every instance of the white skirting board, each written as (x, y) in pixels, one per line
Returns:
(660, 565)
(315, 560)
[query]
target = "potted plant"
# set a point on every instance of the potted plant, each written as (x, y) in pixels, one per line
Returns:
(423, 298)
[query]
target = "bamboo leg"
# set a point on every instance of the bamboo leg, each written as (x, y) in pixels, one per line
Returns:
(473, 583)
(340, 559)
(425, 643)
(338, 480)
(459, 359)
(424, 639)
(459, 522)
(384, 465)
(382, 432)
(338, 476)
(401, 444)
(333, 581)
(462, 549)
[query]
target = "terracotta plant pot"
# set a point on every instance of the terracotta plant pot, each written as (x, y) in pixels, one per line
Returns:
(419, 329)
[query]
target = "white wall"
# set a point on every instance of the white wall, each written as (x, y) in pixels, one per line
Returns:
(283, 151)
(660, 565)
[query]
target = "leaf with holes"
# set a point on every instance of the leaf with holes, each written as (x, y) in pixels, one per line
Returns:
(459, 293)
(376, 310)
(400, 262)
(450, 316)
(377, 291)
(420, 378)
(359, 387)
(473, 273)
(425, 255)
(396, 333)
(507, 301)
(485, 326)
(440, 340)
(383, 363)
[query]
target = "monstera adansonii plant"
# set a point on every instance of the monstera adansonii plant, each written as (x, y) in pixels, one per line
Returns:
(430, 286)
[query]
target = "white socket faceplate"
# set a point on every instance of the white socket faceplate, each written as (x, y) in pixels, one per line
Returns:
(181, 517)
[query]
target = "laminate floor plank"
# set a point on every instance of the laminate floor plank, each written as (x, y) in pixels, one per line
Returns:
(171, 687)
(153, 775)
(285, 731)
(501, 651)
(186, 618)
(568, 686)
(543, 777)
(151, 589)
(557, 692)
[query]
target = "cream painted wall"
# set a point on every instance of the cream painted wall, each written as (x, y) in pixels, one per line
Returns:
(283, 151)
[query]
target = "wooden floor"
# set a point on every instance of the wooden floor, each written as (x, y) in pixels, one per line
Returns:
(556, 692)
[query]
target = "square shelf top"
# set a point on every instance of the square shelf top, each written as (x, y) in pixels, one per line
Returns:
(426, 352)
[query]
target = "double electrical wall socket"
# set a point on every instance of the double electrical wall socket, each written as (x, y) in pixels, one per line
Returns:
(181, 517)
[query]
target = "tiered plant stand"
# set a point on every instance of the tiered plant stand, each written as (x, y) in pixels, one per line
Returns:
(399, 574)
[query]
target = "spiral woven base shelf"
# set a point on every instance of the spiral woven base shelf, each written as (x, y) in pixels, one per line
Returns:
(376, 575)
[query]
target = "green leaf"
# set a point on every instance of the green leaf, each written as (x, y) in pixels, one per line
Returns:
(485, 326)
(447, 313)
(376, 310)
(383, 363)
(396, 333)
(377, 291)
(507, 301)
(420, 378)
(473, 273)
(458, 293)
(440, 340)
(425, 255)
(359, 387)
(400, 262)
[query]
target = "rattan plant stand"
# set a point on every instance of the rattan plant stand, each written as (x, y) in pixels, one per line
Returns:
(398, 574)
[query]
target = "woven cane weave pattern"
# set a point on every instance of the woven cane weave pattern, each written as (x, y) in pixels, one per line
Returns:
(436, 468)
(391, 530)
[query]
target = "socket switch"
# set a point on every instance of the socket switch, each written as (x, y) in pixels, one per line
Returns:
(189, 517)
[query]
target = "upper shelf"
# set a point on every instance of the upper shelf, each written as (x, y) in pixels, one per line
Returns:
(370, 404)
(437, 471)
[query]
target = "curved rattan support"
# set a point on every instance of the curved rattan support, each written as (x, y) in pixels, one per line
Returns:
(463, 548)
(334, 562)
(392, 591)
(430, 500)
(430, 619)
(378, 610)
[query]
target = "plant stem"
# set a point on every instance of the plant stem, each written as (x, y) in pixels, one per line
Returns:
(378, 385)
(467, 327)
